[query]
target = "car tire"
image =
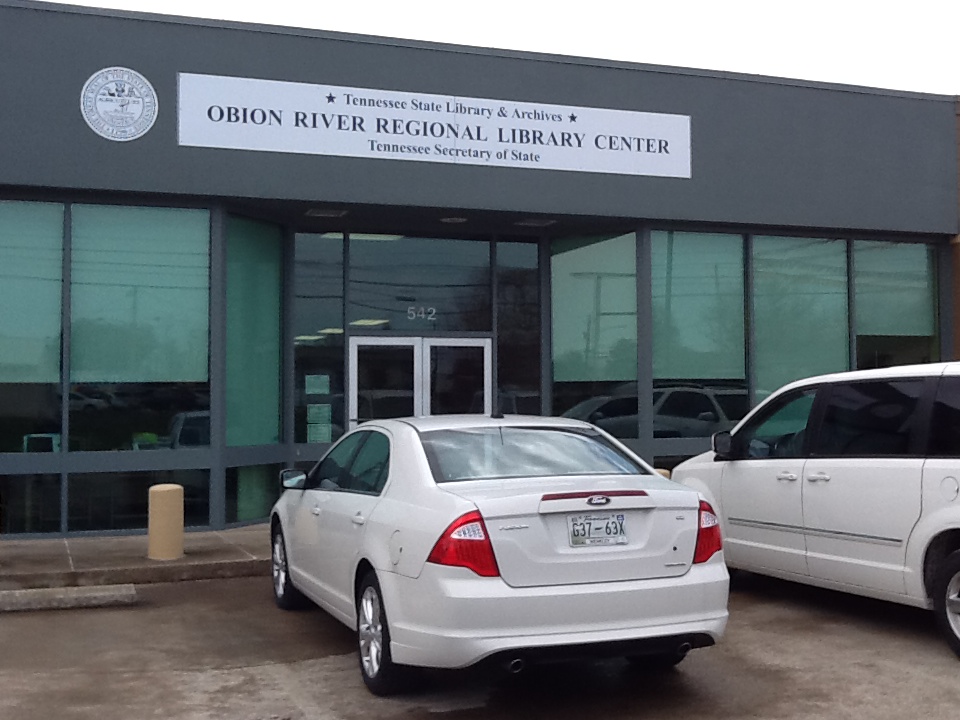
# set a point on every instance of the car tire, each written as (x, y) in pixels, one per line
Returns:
(946, 600)
(658, 663)
(380, 674)
(285, 594)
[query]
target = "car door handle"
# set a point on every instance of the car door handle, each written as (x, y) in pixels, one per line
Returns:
(787, 476)
(358, 519)
(818, 477)
(316, 510)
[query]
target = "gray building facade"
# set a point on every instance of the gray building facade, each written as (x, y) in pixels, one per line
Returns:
(223, 245)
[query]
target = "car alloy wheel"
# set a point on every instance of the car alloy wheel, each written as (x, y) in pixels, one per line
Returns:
(379, 673)
(370, 631)
(285, 594)
(279, 565)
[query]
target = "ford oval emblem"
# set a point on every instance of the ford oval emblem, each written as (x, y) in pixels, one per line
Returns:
(598, 500)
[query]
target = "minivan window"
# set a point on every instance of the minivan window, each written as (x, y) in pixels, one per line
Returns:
(778, 431)
(869, 419)
(945, 422)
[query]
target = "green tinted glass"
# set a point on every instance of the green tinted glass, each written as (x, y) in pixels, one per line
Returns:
(594, 293)
(31, 250)
(799, 309)
(697, 293)
(896, 307)
(895, 286)
(139, 295)
(254, 260)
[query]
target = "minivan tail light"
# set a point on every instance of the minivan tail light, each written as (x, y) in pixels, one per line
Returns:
(466, 543)
(708, 534)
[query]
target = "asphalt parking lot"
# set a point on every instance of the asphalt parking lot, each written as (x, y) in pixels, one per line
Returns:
(220, 649)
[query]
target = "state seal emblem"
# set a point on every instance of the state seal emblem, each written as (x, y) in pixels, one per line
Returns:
(119, 104)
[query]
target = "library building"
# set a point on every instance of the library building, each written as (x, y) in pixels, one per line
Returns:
(224, 245)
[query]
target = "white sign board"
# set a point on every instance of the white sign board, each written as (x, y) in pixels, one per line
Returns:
(274, 116)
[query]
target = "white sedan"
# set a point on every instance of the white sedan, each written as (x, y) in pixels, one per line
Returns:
(448, 540)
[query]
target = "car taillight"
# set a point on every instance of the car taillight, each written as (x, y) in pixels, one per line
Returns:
(466, 544)
(708, 534)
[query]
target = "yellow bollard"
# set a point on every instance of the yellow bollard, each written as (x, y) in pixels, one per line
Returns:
(165, 523)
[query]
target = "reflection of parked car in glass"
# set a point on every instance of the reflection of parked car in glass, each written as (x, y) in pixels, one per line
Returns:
(380, 404)
(697, 411)
(678, 411)
(190, 429)
(511, 402)
(187, 429)
(88, 400)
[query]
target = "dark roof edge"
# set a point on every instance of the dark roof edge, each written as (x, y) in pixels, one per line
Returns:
(467, 49)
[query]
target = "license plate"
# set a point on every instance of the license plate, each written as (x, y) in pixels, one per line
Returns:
(597, 529)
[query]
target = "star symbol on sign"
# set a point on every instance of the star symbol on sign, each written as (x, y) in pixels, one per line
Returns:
(573, 118)
(331, 98)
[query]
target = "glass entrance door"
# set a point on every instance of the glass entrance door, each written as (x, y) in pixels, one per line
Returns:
(403, 376)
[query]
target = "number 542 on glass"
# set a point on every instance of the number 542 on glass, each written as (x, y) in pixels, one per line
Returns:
(421, 313)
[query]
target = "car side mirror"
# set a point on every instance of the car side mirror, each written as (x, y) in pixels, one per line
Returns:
(708, 416)
(293, 479)
(722, 445)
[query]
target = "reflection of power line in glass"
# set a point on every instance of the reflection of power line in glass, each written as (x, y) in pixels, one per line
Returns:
(593, 342)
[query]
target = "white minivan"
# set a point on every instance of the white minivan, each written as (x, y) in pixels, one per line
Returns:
(850, 482)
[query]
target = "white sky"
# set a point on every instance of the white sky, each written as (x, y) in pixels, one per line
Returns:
(879, 43)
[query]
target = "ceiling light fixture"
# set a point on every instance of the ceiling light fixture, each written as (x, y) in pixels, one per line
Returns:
(535, 222)
(326, 213)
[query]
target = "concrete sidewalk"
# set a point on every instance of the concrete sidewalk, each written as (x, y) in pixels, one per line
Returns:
(100, 561)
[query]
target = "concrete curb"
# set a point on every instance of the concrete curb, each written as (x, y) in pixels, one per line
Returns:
(156, 572)
(67, 597)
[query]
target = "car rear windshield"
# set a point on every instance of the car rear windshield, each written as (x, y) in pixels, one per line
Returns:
(522, 452)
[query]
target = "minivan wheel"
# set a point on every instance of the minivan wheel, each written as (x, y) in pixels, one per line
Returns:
(946, 600)
(285, 594)
(379, 673)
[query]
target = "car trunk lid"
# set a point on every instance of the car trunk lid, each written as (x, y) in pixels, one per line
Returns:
(587, 528)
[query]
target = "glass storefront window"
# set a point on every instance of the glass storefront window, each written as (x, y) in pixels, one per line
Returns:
(251, 492)
(318, 338)
(698, 333)
(29, 504)
(119, 501)
(895, 306)
(140, 327)
(594, 323)
(31, 262)
(799, 309)
(418, 285)
(254, 283)
(518, 327)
